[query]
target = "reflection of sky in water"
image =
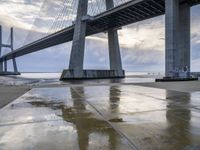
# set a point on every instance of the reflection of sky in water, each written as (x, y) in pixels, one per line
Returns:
(54, 134)
(98, 140)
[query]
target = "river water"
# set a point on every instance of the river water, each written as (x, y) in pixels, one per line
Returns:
(53, 78)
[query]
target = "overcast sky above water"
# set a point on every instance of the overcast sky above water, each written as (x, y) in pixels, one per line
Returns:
(142, 44)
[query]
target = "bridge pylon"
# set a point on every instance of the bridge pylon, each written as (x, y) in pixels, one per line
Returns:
(76, 70)
(177, 38)
(3, 64)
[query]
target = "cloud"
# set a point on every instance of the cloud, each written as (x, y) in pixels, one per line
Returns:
(18, 13)
(138, 36)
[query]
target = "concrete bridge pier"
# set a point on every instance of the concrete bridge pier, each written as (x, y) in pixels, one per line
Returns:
(3, 64)
(113, 45)
(114, 52)
(78, 45)
(76, 70)
(5, 67)
(12, 49)
(177, 39)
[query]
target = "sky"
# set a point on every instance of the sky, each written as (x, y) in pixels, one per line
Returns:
(142, 44)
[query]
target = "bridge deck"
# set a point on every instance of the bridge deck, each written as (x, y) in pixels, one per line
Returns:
(130, 12)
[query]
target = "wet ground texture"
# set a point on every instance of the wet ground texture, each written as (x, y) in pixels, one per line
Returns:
(101, 118)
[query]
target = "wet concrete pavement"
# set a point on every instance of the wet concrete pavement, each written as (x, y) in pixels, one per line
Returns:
(101, 117)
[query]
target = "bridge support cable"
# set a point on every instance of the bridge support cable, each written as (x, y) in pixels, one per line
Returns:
(66, 16)
(3, 64)
(59, 18)
(96, 7)
(56, 21)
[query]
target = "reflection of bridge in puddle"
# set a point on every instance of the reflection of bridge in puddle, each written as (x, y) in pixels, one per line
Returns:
(178, 117)
(120, 117)
(88, 122)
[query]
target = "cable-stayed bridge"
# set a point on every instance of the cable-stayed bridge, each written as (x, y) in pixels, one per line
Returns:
(83, 18)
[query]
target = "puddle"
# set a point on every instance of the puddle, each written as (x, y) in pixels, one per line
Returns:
(76, 118)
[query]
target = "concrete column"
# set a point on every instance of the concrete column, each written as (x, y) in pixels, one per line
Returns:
(113, 43)
(171, 33)
(177, 38)
(5, 66)
(1, 64)
(12, 48)
(114, 50)
(78, 45)
(184, 37)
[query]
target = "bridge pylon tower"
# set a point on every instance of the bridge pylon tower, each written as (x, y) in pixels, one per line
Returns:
(3, 65)
(76, 70)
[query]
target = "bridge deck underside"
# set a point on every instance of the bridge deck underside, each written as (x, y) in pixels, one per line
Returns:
(130, 12)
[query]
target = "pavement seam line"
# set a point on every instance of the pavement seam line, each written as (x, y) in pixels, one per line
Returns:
(131, 143)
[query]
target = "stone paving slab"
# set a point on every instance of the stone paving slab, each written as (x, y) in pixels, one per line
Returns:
(101, 117)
